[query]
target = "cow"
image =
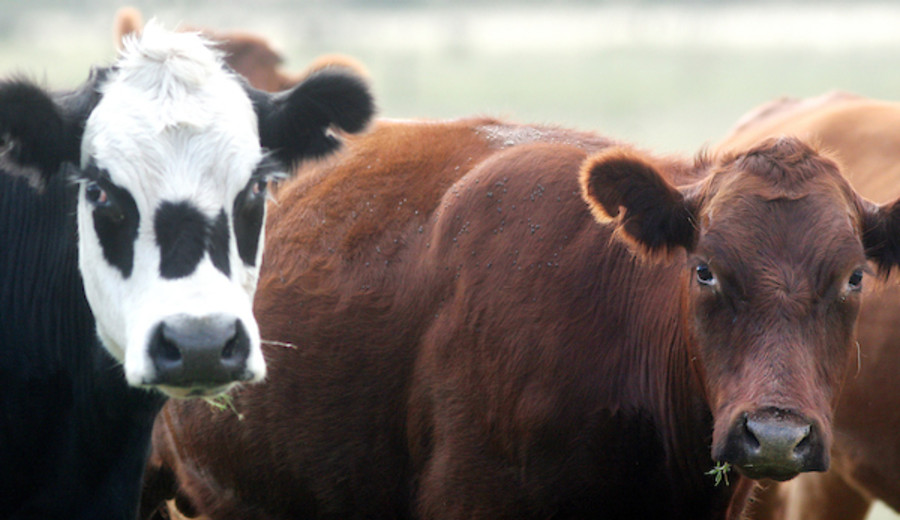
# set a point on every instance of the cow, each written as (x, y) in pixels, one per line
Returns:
(480, 319)
(248, 54)
(866, 462)
(131, 217)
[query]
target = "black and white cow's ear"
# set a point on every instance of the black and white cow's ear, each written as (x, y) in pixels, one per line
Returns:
(40, 130)
(881, 234)
(625, 189)
(296, 124)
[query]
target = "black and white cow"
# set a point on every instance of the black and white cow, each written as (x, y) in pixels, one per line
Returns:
(131, 218)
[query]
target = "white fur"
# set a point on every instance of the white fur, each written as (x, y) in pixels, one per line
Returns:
(172, 125)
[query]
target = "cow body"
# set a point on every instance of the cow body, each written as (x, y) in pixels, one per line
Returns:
(131, 230)
(458, 337)
(863, 135)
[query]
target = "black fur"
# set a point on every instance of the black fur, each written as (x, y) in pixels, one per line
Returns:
(295, 124)
(73, 434)
(40, 131)
(219, 241)
(248, 214)
(116, 225)
(183, 235)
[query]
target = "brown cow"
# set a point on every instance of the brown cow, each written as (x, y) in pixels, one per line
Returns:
(864, 135)
(247, 54)
(460, 338)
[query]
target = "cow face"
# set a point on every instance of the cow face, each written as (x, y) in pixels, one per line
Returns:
(173, 163)
(777, 245)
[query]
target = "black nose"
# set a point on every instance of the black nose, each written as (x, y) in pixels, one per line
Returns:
(776, 444)
(199, 351)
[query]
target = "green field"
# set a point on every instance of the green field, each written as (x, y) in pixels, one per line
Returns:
(669, 77)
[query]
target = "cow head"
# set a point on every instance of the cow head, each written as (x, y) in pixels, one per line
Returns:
(173, 154)
(776, 245)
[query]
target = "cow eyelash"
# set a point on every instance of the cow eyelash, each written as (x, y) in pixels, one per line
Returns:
(94, 180)
(90, 173)
(267, 172)
(269, 169)
(259, 184)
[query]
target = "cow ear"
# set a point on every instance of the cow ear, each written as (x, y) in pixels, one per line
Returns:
(296, 124)
(625, 189)
(881, 234)
(39, 130)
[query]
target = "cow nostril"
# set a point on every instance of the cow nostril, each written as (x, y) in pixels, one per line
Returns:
(230, 347)
(163, 349)
(168, 351)
(750, 440)
(237, 348)
(804, 441)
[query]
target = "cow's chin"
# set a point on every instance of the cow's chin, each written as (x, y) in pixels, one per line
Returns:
(778, 473)
(178, 392)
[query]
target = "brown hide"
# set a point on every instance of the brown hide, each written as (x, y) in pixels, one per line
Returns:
(863, 135)
(452, 334)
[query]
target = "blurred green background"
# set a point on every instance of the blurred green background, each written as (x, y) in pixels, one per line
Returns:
(668, 76)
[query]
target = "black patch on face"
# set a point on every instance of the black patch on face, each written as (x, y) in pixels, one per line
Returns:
(218, 243)
(184, 234)
(249, 213)
(115, 216)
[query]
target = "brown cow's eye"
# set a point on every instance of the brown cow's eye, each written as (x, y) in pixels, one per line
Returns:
(855, 281)
(705, 275)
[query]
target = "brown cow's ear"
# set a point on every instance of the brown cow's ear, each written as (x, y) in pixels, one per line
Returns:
(624, 188)
(881, 234)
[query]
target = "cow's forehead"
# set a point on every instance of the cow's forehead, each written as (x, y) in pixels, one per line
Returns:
(169, 108)
(783, 203)
(784, 175)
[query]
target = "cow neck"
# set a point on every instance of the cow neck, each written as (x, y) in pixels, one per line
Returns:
(669, 385)
(649, 368)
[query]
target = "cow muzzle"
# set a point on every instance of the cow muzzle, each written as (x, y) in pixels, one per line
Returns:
(194, 356)
(774, 443)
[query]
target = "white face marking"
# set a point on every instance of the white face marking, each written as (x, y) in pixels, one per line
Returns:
(172, 126)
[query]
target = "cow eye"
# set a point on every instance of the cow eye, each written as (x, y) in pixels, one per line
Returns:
(704, 275)
(96, 195)
(260, 186)
(855, 280)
